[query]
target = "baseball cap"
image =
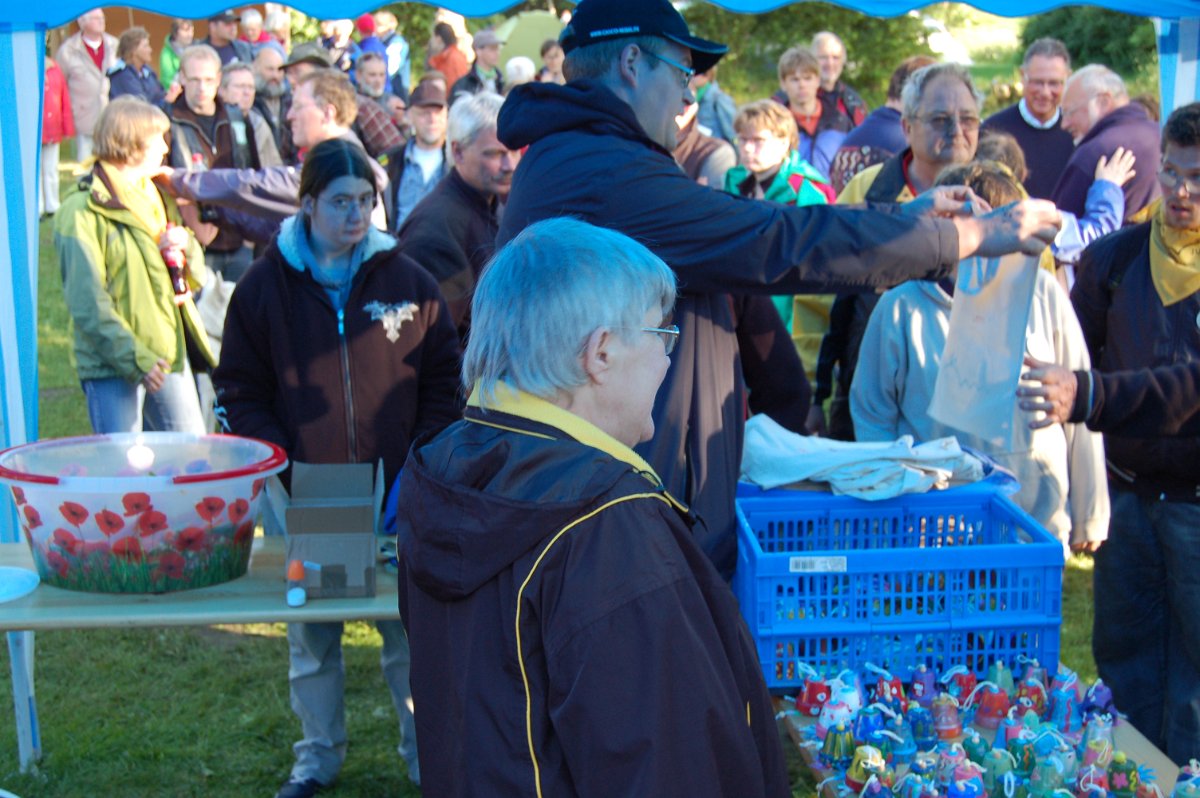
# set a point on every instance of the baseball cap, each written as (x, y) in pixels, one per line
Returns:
(486, 37)
(225, 16)
(599, 20)
(427, 93)
(310, 52)
(365, 24)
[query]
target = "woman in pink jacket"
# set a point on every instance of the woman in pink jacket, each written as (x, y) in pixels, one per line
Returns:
(58, 123)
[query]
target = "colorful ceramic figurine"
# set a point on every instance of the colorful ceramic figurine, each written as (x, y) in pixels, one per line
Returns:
(924, 686)
(959, 681)
(814, 694)
(945, 717)
(923, 732)
(1000, 675)
(993, 704)
(976, 747)
(1032, 693)
(834, 712)
(868, 761)
(1123, 777)
(1098, 700)
(837, 751)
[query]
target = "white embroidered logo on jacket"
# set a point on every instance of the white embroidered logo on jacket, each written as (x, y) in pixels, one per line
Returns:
(392, 316)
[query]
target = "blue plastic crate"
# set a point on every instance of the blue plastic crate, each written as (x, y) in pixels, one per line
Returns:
(940, 579)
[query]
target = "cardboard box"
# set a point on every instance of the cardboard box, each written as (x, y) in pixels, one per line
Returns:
(331, 518)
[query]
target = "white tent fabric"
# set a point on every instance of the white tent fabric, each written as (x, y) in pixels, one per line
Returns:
(23, 27)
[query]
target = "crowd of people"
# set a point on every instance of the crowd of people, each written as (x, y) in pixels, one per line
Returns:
(309, 243)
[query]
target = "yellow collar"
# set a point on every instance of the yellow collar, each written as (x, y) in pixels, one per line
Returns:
(526, 405)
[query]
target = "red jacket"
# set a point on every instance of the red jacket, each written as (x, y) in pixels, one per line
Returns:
(58, 122)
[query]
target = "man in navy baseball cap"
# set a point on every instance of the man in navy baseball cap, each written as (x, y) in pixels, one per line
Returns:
(601, 20)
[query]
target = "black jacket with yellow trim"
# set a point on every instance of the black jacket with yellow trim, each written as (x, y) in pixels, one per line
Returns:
(543, 578)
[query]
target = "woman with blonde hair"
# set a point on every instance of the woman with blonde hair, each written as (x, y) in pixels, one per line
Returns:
(129, 268)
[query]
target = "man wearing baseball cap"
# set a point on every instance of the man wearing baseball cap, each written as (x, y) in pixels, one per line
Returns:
(600, 150)
(484, 74)
(223, 37)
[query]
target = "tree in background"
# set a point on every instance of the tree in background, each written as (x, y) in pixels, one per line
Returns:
(874, 45)
(1123, 43)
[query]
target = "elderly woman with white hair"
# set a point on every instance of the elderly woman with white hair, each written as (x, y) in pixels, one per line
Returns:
(568, 636)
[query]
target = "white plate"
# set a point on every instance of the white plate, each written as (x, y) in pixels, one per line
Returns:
(16, 582)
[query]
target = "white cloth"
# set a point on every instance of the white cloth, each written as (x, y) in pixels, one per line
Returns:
(774, 456)
(1060, 468)
(976, 387)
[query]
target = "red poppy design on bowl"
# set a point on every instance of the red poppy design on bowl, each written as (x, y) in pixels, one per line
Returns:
(150, 522)
(74, 512)
(170, 565)
(32, 517)
(238, 510)
(19, 495)
(128, 549)
(257, 487)
(91, 547)
(210, 507)
(66, 541)
(58, 563)
(135, 503)
(244, 533)
(192, 539)
(109, 522)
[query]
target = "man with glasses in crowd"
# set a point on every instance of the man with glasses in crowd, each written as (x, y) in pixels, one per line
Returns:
(1036, 120)
(628, 65)
(940, 120)
(1137, 296)
(1097, 113)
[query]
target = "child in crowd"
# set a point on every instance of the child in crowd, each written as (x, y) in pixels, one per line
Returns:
(822, 128)
(772, 168)
(1060, 468)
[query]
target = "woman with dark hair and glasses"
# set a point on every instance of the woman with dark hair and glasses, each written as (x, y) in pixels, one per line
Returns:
(338, 348)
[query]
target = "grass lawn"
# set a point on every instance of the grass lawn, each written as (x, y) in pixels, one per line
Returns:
(188, 712)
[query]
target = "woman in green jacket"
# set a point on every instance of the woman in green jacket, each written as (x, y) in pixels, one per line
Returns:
(129, 268)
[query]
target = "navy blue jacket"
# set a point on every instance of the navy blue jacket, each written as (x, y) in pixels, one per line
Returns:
(1128, 127)
(567, 633)
(1127, 327)
(588, 157)
(124, 79)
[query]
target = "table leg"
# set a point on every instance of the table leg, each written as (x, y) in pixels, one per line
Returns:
(29, 740)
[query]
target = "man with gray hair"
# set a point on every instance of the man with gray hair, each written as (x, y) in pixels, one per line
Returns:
(940, 119)
(600, 148)
(1036, 120)
(831, 56)
(85, 59)
(452, 232)
(1098, 115)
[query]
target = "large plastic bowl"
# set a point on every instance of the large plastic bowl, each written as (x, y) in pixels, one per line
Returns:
(139, 512)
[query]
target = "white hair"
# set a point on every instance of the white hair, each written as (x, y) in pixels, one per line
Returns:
(251, 17)
(821, 37)
(471, 115)
(546, 292)
(518, 70)
(1096, 79)
(277, 20)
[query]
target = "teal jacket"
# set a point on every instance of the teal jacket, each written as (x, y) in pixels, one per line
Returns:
(117, 288)
(796, 183)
